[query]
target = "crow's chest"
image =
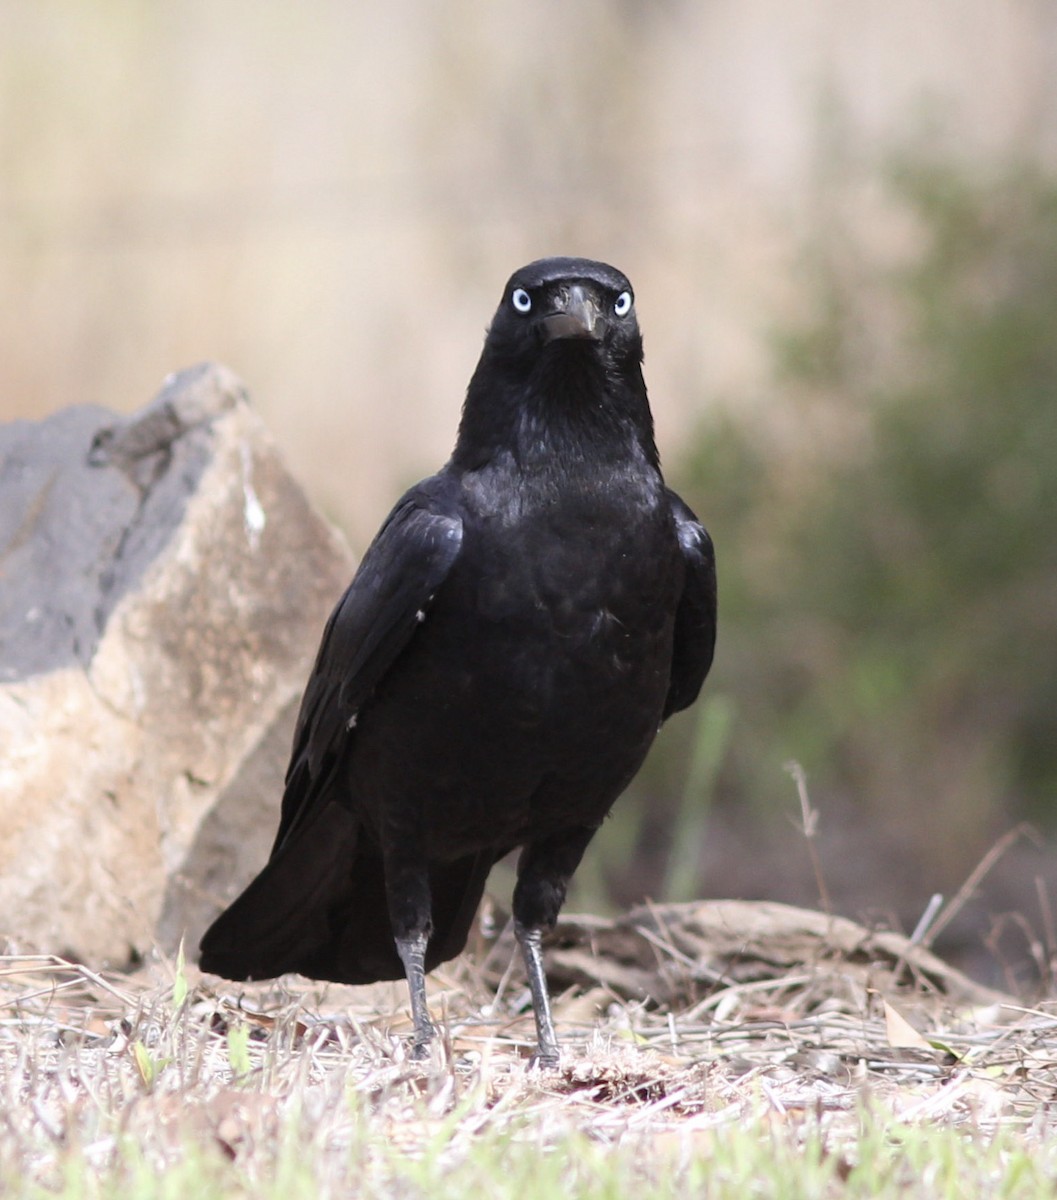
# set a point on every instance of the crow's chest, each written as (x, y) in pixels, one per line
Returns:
(558, 605)
(542, 663)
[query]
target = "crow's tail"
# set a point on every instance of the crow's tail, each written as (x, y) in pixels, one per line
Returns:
(319, 907)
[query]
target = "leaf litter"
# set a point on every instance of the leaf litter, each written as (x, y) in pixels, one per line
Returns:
(675, 1020)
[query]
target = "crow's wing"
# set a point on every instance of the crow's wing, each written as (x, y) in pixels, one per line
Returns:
(695, 618)
(373, 622)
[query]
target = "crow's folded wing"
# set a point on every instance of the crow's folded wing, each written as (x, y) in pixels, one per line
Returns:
(695, 618)
(372, 624)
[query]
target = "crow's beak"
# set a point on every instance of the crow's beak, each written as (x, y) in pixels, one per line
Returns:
(577, 315)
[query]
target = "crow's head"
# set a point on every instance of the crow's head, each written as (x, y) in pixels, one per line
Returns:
(557, 301)
(561, 363)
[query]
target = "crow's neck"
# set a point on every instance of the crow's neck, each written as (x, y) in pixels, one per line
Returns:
(563, 414)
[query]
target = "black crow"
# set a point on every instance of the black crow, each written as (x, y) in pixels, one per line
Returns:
(497, 669)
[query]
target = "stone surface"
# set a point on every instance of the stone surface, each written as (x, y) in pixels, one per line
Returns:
(163, 585)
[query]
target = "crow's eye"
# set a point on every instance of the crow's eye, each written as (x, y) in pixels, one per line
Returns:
(521, 300)
(622, 305)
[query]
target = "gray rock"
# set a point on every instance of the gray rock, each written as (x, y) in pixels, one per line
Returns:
(163, 584)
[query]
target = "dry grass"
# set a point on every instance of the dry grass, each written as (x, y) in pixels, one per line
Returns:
(105, 1075)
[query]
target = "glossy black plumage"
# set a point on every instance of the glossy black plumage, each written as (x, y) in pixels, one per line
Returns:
(496, 670)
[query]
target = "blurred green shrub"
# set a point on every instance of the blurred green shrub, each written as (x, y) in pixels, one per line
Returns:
(888, 543)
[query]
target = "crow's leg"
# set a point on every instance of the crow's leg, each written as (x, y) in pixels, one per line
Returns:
(544, 871)
(407, 891)
(529, 939)
(412, 951)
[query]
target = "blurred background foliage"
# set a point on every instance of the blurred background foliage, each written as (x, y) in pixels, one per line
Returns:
(848, 292)
(891, 610)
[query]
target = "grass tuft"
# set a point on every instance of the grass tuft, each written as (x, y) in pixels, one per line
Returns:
(116, 1086)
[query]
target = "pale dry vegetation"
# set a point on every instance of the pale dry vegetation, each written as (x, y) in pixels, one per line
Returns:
(713, 1042)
